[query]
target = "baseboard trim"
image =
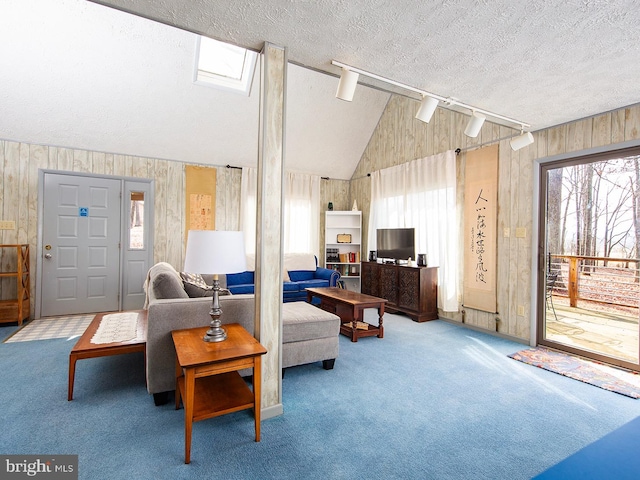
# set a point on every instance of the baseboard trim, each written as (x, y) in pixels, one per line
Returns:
(270, 412)
(484, 330)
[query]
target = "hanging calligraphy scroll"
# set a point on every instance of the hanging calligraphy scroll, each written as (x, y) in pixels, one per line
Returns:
(200, 198)
(480, 229)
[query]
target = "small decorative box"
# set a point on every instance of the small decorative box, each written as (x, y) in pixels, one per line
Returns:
(344, 238)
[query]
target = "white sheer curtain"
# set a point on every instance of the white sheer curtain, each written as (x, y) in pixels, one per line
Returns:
(422, 194)
(301, 211)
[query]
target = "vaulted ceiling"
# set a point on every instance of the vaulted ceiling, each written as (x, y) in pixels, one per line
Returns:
(88, 76)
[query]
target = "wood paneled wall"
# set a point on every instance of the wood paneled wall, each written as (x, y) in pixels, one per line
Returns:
(19, 166)
(400, 138)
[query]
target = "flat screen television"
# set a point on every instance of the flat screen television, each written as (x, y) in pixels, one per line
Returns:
(396, 243)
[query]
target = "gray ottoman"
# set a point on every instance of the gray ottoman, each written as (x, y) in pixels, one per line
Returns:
(310, 335)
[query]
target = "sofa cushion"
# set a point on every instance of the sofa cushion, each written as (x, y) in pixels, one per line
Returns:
(314, 283)
(290, 287)
(166, 282)
(302, 321)
(242, 278)
(244, 288)
(195, 286)
(300, 261)
(301, 275)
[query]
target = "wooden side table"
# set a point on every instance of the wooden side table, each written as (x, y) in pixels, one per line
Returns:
(207, 378)
(85, 349)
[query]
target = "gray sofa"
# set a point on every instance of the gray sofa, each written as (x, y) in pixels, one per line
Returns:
(309, 334)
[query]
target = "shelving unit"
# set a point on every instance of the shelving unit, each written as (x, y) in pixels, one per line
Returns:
(16, 309)
(343, 244)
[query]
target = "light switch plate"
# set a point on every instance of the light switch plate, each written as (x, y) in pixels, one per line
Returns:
(521, 232)
(506, 232)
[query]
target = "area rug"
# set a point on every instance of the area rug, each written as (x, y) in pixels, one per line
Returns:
(609, 378)
(52, 327)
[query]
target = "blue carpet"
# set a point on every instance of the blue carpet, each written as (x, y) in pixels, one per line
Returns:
(429, 401)
(615, 455)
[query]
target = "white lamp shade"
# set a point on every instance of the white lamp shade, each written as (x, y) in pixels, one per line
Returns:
(347, 85)
(521, 141)
(474, 125)
(427, 108)
(213, 251)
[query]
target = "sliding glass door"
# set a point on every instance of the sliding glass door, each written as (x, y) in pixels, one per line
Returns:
(589, 286)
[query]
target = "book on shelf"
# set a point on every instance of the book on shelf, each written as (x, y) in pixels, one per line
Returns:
(359, 325)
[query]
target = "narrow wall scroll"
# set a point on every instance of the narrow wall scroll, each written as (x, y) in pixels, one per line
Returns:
(200, 198)
(480, 229)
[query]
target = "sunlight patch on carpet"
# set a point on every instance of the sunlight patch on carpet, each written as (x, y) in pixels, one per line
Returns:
(608, 378)
(53, 327)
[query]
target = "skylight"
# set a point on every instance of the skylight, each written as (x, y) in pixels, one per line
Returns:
(224, 66)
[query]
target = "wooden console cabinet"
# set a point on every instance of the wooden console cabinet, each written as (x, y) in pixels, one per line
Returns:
(410, 290)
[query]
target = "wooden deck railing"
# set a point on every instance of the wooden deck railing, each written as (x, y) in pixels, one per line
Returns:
(613, 281)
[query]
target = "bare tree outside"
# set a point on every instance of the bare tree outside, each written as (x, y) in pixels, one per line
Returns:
(593, 247)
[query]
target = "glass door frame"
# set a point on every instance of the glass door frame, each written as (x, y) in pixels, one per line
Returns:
(543, 166)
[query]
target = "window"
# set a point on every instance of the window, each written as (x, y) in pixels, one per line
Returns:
(422, 194)
(225, 66)
(301, 229)
(136, 224)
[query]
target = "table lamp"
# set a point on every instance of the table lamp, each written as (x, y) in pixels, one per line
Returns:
(215, 252)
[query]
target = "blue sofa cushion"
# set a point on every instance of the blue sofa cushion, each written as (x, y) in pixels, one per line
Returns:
(313, 283)
(290, 287)
(242, 278)
(240, 289)
(301, 275)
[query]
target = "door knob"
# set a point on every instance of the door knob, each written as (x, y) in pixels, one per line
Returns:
(47, 255)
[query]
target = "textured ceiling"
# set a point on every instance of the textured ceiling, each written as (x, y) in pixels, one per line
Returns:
(80, 75)
(543, 62)
(77, 74)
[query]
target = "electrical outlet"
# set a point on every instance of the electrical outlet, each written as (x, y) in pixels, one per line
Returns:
(521, 232)
(506, 232)
(520, 310)
(7, 225)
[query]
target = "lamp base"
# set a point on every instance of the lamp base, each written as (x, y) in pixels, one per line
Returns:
(215, 334)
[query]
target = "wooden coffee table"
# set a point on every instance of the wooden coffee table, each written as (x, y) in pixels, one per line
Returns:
(208, 380)
(350, 306)
(85, 349)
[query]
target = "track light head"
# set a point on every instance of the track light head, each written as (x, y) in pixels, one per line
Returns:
(427, 108)
(474, 125)
(347, 85)
(521, 141)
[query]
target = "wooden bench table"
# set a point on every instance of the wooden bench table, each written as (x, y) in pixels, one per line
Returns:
(350, 307)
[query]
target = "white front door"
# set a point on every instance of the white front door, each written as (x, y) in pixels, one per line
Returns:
(81, 244)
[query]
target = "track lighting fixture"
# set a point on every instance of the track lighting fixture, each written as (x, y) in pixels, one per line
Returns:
(521, 141)
(427, 108)
(474, 125)
(347, 84)
(430, 101)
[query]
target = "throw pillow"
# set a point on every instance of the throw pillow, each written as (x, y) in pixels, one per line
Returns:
(285, 276)
(195, 286)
